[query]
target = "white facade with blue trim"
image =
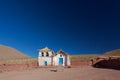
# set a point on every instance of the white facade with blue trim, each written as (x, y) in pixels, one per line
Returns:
(47, 57)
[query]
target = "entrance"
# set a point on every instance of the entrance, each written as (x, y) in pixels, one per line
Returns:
(45, 63)
(60, 60)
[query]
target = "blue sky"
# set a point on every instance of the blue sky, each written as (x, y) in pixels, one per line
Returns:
(76, 26)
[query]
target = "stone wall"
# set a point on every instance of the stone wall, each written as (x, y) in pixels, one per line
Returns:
(17, 67)
(79, 63)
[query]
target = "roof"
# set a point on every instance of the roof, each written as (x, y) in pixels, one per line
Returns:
(61, 52)
(46, 49)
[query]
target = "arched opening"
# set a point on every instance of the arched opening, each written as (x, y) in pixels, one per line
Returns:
(42, 54)
(47, 54)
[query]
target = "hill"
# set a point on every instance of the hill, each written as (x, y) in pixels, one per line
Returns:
(113, 53)
(84, 57)
(10, 53)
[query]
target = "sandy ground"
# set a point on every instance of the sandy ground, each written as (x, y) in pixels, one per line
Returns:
(86, 73)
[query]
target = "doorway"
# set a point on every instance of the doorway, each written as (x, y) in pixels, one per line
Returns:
(45, 63)
(60, 60)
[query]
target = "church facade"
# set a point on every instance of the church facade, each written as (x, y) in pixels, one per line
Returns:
(47, 57)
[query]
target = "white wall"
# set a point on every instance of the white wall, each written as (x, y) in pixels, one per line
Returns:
(68, 61)
(50, 53)
(56, 59)
(42, 59)
(39, 54)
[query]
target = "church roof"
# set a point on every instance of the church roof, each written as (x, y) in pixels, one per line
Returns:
(46, 49)
(61, 52)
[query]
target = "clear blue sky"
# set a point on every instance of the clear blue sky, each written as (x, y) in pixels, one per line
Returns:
(76, 26)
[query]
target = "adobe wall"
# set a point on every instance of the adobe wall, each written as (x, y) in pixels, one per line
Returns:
(78, 63)
(17, 67)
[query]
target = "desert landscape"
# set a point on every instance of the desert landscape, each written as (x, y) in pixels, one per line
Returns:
(81, 73)
(18, 66)
(59, 39)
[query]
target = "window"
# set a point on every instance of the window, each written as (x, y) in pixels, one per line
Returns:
(60, 55)
(42, 54)
(47, 54)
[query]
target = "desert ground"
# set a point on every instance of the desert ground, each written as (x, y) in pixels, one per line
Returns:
(78, 73)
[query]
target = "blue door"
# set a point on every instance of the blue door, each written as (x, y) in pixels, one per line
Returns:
(60, 60)
(45, 63)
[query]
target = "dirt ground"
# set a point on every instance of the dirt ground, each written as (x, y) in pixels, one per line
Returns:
(79, 73)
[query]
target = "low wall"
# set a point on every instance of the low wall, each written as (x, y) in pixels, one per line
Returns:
(32, 65)
(79, 63)
(14, 67)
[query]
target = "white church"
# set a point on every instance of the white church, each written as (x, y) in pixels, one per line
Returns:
(47, 57)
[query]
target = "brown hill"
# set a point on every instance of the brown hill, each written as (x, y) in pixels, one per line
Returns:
(10, 53)
(113, 53)
(83, 57)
